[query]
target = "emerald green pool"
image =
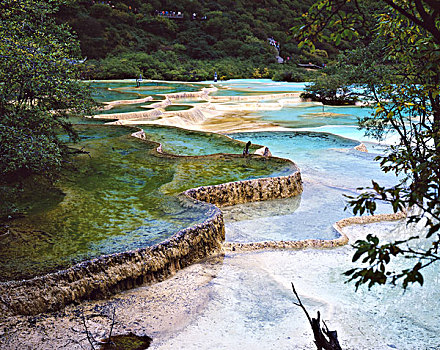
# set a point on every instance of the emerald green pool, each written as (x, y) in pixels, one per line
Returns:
(193, 143)
(121, 197)
(102, 94)
(174, 108)
(128, 108)
(127, 90)
(191, 101)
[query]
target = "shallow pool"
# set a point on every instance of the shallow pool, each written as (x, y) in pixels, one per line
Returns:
(128, 108)
(106, 91)
(193, 143)
(121, 197)
(330, 168)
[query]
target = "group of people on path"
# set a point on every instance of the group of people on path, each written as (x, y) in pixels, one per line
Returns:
(177, 14)
(171, 14)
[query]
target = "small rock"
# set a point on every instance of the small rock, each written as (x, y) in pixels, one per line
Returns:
(361, 148)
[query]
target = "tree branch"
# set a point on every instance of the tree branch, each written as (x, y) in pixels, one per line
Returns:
(430, 28)
(90, 337)
(319, 333)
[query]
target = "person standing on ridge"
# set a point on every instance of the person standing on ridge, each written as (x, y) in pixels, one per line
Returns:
(246, 149)
(138, 80)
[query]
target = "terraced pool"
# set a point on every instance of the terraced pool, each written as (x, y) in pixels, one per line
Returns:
(121, 197)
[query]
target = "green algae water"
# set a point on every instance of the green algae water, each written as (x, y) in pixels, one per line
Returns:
(129, 108)
(193, 143)
(122, 196)
(106, 91)
(174, 108)
(191, 101)
(103, 94)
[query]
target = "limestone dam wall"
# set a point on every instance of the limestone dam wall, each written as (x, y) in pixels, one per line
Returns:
(109, 274)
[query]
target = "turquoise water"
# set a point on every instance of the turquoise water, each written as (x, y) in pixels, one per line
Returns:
(127, 90)
(330, 168)
(193, 143)
(128, 108)
(315, 116)
(102, 94)
(258, 85)
(90, 121)
(243, 87)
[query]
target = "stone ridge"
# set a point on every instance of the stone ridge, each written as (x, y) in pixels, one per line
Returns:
(111, 104)
(315, 243)
(109, 274)
(246, 191)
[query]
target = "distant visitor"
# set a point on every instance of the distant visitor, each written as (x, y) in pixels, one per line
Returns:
(139, 80)
(246, 149)
(266, 152)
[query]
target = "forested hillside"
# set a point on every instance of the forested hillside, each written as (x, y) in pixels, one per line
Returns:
(190, 39)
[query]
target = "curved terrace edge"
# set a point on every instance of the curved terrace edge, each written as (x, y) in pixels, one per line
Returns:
(109, 274)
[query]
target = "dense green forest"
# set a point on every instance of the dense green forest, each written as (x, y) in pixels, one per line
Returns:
(125, 38)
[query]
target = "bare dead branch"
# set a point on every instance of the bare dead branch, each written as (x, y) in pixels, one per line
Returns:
(90, 337)
(320, 334)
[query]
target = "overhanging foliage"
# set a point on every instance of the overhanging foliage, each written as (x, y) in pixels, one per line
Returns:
(402, 78)
(39, 88)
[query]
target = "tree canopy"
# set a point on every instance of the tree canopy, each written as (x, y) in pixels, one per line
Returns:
(229, 37)
(39, 88)
(401, 75)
